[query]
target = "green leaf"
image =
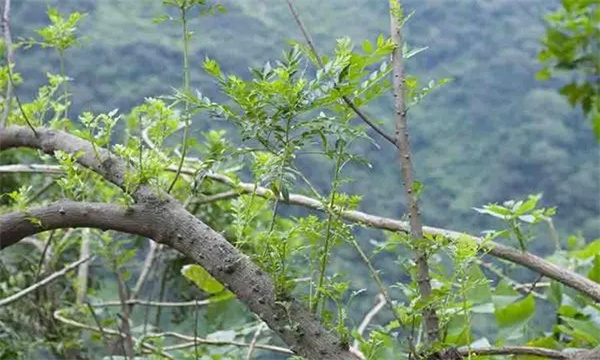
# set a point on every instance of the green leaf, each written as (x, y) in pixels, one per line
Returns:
(516, 314)
(528, 205)
(480, 293)
(367, 47)
(555, 292)
(458, 331)
(199, 276)
(590, 250)
(583, 330)
(544, 74)
(594, 273)
(285, 193)
(504, 294)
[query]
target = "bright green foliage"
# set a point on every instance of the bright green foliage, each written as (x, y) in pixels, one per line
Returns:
(572, 44)
(61, 33)
(516, 213)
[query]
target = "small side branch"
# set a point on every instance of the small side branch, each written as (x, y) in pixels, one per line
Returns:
(43, 282)
(346, 99)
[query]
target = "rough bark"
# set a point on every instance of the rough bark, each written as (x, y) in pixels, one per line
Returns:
(163, 219)
(432, 327)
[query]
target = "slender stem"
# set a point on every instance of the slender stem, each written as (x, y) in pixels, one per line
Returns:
(9, 61)
(346, 99)
(186, 89)
(330, 217)
(378, 281)
(61, 56)
(44, 282)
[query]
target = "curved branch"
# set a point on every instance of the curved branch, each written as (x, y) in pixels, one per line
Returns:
(160, 217)
(531, 261)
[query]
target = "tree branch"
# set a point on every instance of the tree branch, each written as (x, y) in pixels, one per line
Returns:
(43, 282)
(432, 327)
(162, 218)
(593, 354)
(526, 259)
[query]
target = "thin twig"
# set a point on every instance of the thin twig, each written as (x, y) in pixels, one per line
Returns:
(46, 253)
(515, 284)
(516, 350)
(148, 262)
(379, 304)
(259, 329)
(104, 337)
(58, 316)
(83, 270)
(155, 303)
(43, 282)
(10, 59)
(218, 342)
(346, 99)
(125, 317)
(381, 286)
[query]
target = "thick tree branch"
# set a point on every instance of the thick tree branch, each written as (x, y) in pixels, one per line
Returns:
(160, 217)
(432, 327)
(531, 261)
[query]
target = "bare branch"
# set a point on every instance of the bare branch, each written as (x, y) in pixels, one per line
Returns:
(43, 282)
(379, 304)
(517, 350)
(58, 316)
(226, 195)
(148, 262)
(526, 259)
(432, 327)
(82, 272)
(252, 346)
(217, 342)
(155, 303)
